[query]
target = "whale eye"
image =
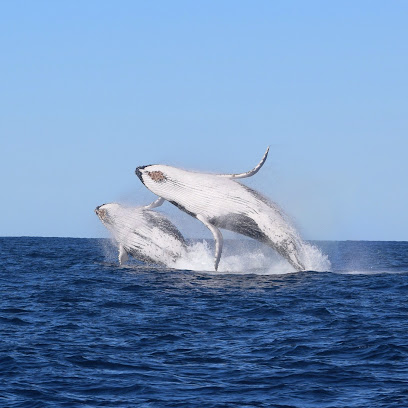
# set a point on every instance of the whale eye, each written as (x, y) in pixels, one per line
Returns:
(157, 176)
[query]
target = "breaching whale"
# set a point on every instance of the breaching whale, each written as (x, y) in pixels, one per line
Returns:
(218, 201)
(146, 235)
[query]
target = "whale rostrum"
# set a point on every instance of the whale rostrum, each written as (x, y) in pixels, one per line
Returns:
(218, 201)
(146, 235)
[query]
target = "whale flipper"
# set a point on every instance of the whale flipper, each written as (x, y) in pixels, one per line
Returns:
(248, 173)
(217, 236)
(123, 255)
(155, 204)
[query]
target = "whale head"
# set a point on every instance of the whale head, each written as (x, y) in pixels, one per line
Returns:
(106, 212)
(155, 177)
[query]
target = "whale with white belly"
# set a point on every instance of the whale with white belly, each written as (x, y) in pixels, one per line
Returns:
(218, 201)
(144, 234)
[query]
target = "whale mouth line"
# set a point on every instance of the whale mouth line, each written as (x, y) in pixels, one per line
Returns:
(139, 173)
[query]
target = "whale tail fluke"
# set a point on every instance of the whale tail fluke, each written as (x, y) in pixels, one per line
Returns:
(248, 173)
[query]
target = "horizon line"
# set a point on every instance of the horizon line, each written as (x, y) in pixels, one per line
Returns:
(209, 239)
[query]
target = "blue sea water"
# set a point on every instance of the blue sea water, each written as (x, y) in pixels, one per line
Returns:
(76, 330)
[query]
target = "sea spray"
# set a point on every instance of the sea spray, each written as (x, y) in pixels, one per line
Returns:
(150, 237)
(248, 257)
(314, 259)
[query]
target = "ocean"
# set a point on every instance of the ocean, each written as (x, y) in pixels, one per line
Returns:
(77, 330)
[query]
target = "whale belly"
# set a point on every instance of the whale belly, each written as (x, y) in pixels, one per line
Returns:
(240, 223)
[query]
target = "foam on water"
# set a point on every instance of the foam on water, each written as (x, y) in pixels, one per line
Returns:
(200, 257)
(314, 259)
(253, 258)
(239, 257)
(149, 236)
(259, 260)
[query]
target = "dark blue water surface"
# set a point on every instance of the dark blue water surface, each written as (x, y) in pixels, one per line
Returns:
(77, 331)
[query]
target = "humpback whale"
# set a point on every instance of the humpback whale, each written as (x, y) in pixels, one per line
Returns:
(146, 235)
(218, 201)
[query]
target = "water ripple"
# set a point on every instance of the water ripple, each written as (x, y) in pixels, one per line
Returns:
(78, 331)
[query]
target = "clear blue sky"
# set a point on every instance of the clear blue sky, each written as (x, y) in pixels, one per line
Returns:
(91, 89)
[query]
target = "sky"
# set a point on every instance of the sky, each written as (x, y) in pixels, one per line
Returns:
(89, 90)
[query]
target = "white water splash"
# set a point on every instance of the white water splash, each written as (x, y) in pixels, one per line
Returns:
(314, 259)
(259, 260)
(200, 257)
(149, 236)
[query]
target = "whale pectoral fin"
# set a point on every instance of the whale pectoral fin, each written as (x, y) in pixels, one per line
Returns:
(155, 204)
(248, 173)
(123, 255)
(217, 236)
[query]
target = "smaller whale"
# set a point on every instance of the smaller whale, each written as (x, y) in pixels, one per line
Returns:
(146, 235)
